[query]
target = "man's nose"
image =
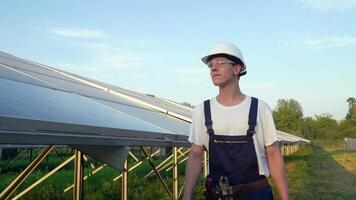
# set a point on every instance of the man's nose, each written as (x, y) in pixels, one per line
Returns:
(214, 66)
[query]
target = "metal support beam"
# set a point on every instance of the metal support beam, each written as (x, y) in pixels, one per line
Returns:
(175, 173)
(87, 160)
(87, 176)
(133, 156)
(181, 190)
(159, 167)
(124, 180)
(157, 173)
(43, 178)
(78, 176)
(180, 162)
(169, 165)
(136, 165)
(17, 182)
(205, 162)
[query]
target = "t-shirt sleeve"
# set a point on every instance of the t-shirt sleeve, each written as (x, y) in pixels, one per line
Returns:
(268, 126)
(198, 135)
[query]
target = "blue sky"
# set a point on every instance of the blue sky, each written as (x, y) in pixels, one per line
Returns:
(300, 49)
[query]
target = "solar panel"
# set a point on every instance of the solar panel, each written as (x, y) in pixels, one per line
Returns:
(174, 125)
(22, 100)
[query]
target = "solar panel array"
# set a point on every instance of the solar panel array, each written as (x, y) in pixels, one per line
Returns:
(40, 104)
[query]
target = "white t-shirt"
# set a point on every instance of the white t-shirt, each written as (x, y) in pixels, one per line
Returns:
(233, 120)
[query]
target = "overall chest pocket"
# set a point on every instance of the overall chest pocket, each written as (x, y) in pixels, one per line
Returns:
(234, 156)
(227, 139)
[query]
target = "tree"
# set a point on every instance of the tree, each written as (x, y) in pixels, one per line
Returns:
(288, 115)
(347, 126)
(325, 120)
(326, 126)
(309, 129)
(351, 115)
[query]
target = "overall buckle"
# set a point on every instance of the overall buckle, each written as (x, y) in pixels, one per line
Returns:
(209, 127)
(251, 130)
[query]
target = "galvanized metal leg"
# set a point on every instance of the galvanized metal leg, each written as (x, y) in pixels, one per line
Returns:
(159, 167)
(181, 190)
(16, 183)
(169, 165)
(124, 185)
(283, 150)
(43, 178)
(134, 157)
(175, 173)
(86, 177)
(136, 165)
(78, 176)
(205, 167)
(157, 173)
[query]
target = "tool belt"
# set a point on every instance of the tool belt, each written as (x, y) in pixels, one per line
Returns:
(238, 191)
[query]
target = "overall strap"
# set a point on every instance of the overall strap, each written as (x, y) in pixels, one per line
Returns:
(208, 121)
(252, 116)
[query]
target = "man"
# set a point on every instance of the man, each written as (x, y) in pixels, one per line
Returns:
(239, 133)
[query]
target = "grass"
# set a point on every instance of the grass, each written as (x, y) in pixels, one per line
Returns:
(322, 170)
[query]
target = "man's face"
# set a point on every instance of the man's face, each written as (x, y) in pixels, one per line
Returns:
(223, 71)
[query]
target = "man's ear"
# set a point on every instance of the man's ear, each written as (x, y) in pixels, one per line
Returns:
(237, 69)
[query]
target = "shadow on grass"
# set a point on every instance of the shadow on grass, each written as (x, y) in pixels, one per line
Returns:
(314, 174)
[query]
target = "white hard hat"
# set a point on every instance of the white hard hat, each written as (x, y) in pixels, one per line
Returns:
(228, 50)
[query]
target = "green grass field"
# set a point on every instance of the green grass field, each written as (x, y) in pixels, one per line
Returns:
(322, 170)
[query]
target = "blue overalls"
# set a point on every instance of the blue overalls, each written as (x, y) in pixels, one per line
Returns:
(234, 157)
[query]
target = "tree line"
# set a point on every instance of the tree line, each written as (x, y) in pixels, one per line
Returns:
(288, 116)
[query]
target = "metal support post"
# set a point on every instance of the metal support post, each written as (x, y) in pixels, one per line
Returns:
(157, 173)
(175, 173)
(170, 166)
(17, 182)
(43, 178)
(87, 176)
(205, 167)
(136, 165)
(159, 167)
(78, 176)
(124, 185)
(181, 190)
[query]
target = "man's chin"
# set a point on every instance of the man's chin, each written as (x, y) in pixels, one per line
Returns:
(217, 83)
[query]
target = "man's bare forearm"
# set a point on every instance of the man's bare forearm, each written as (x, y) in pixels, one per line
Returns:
(277, 168)
(192, 171)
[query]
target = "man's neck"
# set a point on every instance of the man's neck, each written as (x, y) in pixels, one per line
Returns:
(230, 95)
